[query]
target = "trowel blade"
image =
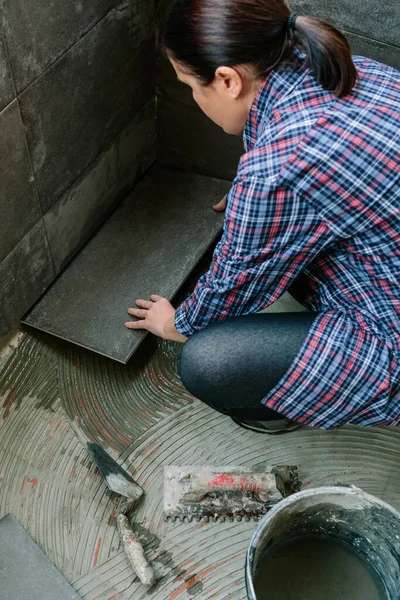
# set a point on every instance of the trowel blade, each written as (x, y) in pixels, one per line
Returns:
(118, 480)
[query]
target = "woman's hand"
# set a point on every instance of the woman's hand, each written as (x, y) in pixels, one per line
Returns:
(157, 315)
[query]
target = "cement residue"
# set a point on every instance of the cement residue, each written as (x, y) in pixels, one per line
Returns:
(54, 397)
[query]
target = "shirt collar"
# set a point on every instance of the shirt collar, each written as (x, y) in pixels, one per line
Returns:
(276, 85)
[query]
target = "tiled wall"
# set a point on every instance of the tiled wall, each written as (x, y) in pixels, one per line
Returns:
(372, 26)
(77, 128)
(186, 138)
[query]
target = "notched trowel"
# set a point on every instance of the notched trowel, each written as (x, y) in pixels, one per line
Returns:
(225, 493)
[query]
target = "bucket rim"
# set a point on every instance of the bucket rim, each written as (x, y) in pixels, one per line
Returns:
(286, 502)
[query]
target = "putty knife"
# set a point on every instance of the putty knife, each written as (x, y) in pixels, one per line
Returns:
(120, 482)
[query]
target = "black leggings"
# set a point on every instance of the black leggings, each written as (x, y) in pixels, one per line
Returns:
(231, 365)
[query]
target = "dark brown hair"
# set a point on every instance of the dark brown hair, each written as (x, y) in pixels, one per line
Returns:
(203, 35)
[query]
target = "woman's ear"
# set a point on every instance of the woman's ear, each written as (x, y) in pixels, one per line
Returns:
(228, 81)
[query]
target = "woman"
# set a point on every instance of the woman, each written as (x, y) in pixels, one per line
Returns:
(314, 209)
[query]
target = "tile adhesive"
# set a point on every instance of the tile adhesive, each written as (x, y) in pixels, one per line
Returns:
(55, 397)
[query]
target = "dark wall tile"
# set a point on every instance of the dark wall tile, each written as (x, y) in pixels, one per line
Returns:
(168, 85)
(6, 84)
(188, 139)
(80, 210)
(39, 31)
(377, 20)
(383, 53)
(19, 206)
(84, 100)
(24, 275)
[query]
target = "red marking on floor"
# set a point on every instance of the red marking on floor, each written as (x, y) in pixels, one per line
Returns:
(12, 390)
(96, 554)
(9, 402)
(57, 427)
(307, 483)
(1, 479)
(114, 512)
(200, 575)
(153, 453)
(33, 482)
(202, 544)
(187, 572)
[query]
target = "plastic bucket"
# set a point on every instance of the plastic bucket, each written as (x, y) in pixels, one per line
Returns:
(345, 515)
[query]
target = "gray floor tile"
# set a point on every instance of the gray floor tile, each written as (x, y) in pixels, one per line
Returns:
(6, 83)
(19, 205)
(39, 32)
(378, 20)
(26, 573)
(24, 275)
(101, 188)
(74, 111)
(149, 245)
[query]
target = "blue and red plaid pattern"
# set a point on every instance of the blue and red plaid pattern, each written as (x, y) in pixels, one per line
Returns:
(315, 210)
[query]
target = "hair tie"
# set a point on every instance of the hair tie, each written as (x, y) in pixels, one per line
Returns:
(291, 22)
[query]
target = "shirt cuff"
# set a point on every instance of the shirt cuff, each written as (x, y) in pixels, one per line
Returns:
(181, 322)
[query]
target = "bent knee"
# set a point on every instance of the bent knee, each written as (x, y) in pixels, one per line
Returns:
(192, 363)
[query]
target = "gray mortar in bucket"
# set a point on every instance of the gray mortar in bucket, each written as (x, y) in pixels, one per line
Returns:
(345, 515)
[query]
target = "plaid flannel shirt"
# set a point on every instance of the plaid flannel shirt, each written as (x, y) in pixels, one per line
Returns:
(315, 210)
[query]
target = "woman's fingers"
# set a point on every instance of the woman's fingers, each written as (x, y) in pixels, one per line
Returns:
(137, 312)
(144, 303)
(136, 325)
(155, 298)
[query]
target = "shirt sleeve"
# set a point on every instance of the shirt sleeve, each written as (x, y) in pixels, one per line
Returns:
(270, 235)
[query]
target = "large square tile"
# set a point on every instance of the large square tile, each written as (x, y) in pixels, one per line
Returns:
(149, 245)
(78, 213)
(377, 20)
(6, 82)
(38, 31)
(384, 53)
(26, 570)
(24, 275)
(19, 206)
(85, 99)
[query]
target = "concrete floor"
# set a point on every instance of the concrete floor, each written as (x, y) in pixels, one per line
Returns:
(55, 396)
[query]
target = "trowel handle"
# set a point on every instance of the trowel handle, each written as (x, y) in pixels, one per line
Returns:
(134, 551)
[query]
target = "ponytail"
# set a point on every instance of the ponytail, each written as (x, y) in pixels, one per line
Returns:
(203, 35)
(328, 54)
